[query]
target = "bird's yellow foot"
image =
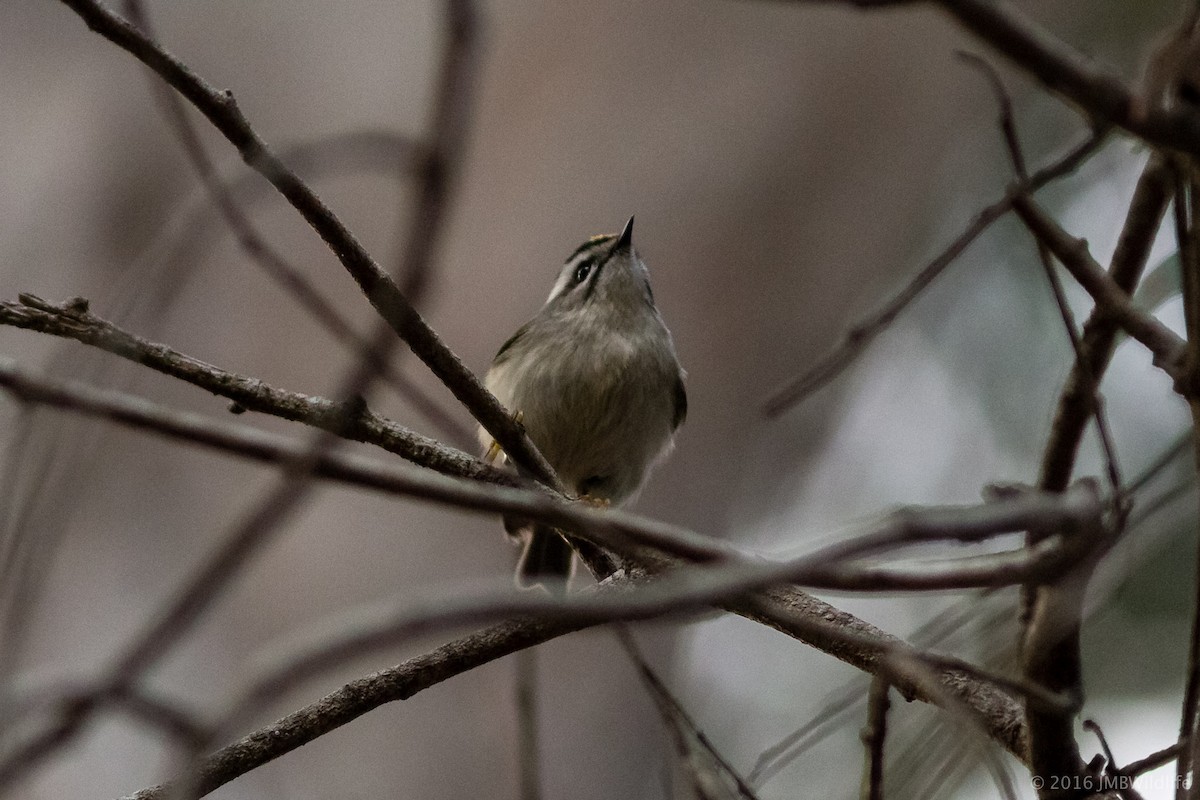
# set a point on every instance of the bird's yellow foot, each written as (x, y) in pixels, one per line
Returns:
(494, 448)
(595, 502)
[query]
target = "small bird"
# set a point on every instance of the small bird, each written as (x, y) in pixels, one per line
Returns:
(595, 380)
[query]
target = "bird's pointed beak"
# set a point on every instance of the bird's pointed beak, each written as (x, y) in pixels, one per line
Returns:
(625, 240)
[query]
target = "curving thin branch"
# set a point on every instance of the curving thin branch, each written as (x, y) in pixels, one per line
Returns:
(866, 330)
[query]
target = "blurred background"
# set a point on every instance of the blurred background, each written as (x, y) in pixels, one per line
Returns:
(790, 167)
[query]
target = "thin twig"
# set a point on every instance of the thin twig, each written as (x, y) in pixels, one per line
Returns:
(1146, 210)
(863, 332)
(1165, 345)
(873, 737)
(270, 260)
(380, 289)
(1152, 761)
(1056, 606)
(1112, 773)
(900, 667)
(72, 320)
(1012, 142)
(1096, 90)
(529, 785)
(700, 756)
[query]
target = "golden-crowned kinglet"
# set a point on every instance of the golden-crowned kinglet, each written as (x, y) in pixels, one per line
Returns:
(595, 380)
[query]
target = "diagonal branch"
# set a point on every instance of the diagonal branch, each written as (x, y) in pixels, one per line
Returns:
(789, 609)
(270, 260)
(865, 331)
(1094, 89)
(1098, 341)
(1100, 93)
(360, 696)
(379, 288)
(1111, 299)
(709, 771)
(72, 320)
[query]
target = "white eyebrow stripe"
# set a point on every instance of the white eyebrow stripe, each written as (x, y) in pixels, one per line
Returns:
(589, 251)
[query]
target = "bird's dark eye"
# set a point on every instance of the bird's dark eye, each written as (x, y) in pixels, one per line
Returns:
(582, 271)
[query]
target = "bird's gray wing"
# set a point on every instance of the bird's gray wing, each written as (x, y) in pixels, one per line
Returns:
(500, 354)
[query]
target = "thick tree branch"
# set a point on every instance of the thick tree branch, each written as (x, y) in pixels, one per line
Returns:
(801, 615)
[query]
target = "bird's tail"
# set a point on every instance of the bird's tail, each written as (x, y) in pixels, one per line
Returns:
(546, 561)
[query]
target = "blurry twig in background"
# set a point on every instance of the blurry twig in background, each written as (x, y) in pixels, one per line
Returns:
(900, 668)
(863, 332)
(528, 739)
(277, 267)
(256, 526)
(445, 145)
(1095, 400)
(709, 773)
(873, 737)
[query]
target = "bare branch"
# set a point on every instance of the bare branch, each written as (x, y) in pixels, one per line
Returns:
(1095, 90)
(863, 332)
(529, 785)
(1185, 208)
(368, 631)
(1098, 92)
(380, 289)
(270, 260)
(873, 737)
(363, 695)
(73, 320)
(609, 528)
(1096, 401)
(1110, 298)
(711, 774)
(1098, 342)
(270, 448)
